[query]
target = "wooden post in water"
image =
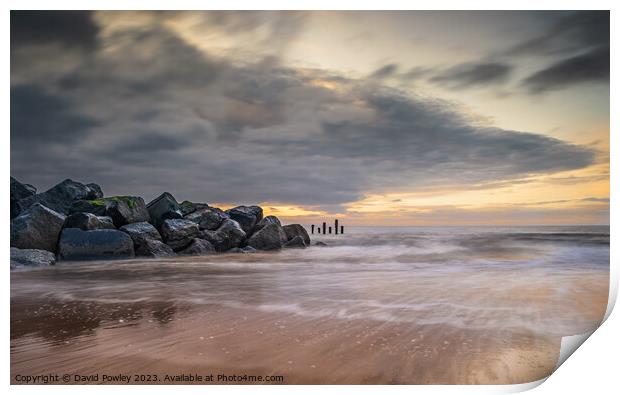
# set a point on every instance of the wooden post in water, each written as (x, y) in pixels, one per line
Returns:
(330, 230)
(324, 228)
(336, 226)
(341, 229)
(312, 227)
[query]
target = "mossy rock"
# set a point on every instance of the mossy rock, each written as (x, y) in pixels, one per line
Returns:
(123, 209)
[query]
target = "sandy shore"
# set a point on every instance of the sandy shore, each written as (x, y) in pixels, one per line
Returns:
(340, 315)
(162, 339)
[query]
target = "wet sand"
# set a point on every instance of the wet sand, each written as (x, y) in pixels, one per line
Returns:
(440, 310)
(171, 338)
(148, 340)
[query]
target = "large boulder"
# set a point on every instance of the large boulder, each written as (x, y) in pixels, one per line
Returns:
(147, 240)
(61, 196)
(19, 191)
(179, 233)
(122, 209)
(198, 247)
(31, 257)
(154, 249)
(270, 237)
(270, 219)
(88, 221)
(209, 218)
(188, 207)
(126, 210)
(295, 242)
(36, 228)
(97, 193)
(77, 244)
(228, 235)
(163, 207)
(296, 230)
(97, 207)
(246, 216)
(141, 231)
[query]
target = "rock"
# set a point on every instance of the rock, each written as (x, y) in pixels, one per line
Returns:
(179, 233)
(61, 196)
(228, 235)
(209, 218)
(198, 247)
(36, 228)
(296, 230)
(320, 244)
(122, 209)
(88, 221)
(126, 210)
(188, 207)
(163, 207)
(77, 244)
(154, 248)
(97, 193)
(270, 219)
(295, 242)
(246, 216)
(147, 240)
(19, 191)
(140, 232)
(30, 257)
(97, 207)
(270, 237)
(244, 250)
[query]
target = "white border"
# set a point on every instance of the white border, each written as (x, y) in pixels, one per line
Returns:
(592, 369)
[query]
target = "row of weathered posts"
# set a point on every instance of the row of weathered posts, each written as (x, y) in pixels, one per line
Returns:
(328, 229)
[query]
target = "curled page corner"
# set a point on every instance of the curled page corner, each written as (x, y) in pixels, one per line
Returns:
(569, 345)
(517, 388)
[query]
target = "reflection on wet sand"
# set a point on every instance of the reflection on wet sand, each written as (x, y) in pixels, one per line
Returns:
(458, 310)
(144, 338)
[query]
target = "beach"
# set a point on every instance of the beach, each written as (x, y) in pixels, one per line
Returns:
(376, 306)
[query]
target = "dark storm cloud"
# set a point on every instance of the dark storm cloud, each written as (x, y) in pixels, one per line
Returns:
(473, 74)
(573, 32)
(592, 66)
(152, 143)
(415, 73)
(579, 44)
(70, 28)
(40, 118)
(171, 117)
(411, 137)
(385, 71)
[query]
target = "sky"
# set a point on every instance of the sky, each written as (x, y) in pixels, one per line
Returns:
(377, 118)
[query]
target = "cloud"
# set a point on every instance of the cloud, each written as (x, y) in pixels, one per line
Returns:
(34, 111)
(415, 72)
(596, 200)
(385, 71)
(575, 31)
(147, 110)
(579, 44)
(592, 66)
(68, 28)
(473, 74)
